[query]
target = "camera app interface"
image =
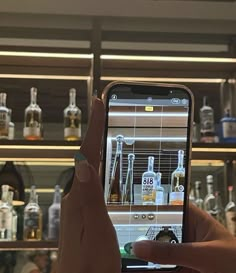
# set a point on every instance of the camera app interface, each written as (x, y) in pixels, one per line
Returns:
(145, 169)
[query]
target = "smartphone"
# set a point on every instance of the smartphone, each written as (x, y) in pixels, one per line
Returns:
(146, 164)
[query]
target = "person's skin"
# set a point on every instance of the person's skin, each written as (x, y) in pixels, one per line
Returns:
(41, 261)
(88, 242)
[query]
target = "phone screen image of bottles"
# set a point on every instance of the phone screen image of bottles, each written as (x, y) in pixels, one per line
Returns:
(145, 171)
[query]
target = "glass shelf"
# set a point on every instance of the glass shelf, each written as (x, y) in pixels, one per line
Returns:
(28, 245)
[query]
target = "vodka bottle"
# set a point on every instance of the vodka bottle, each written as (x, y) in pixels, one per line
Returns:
(210, 200)
(33, 118)
(54, 215)
(207, 126)
(128, 193)
(177, 182)
(4, 117)
(72, 118)
(11, 130)
(220, 213)
(230, 212)
(116, 181)
(198, 199)
(14, 216)
(32, 218)
(5, 216)
(148, 183)
(159, 198)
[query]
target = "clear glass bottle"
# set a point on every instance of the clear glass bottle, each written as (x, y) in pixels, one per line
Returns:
(230, 212)
(14, 216)
(207, 123)
(11, 131)
(159, 198)
(33, 218)
(148, 184)
(177, 182)
(128, 193)
(4, 117)
(210, 200)
(5, 216)
(192, 196)
(33, 118)
(220, 213)
(72, 118)
(54, 212)
(198, 199)
(116, 180)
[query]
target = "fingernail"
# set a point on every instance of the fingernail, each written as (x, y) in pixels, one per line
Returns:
(83, 171)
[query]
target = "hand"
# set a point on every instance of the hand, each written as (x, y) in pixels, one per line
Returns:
(88, 242)
(210, 248)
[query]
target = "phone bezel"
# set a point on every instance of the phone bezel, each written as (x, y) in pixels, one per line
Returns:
(144, 85)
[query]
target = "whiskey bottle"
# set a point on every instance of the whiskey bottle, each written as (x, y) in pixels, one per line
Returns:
(54, 215)
(230, 212)
(207, 126)
(4, 117)
(33, 118)
(14, 216)
(5, 216)
(128, 193)
(220, 214)
(177, 182)
(72, 118)
(148, 184)
(198, 199)
(159, 198)
(116, 180)
(32, 218)
(210, 200)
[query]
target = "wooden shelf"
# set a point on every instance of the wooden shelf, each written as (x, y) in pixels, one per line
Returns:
(28, 245)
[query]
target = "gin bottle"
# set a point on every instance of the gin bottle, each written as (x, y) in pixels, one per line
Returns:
(72, 118)
(159, 199)
(207, 126)
(14, 216)
(5, 216)
(230, 212)
(128, 193)
(148, 183)
(33, 118)
(177, 182)
(32, 218)
(116, 180)
(4, 117)
(198, 199)
(210, 200)
(54, 215)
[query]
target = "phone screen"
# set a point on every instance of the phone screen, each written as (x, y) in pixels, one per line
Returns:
(146, 165)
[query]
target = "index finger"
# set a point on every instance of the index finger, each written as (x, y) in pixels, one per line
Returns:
(91, 145)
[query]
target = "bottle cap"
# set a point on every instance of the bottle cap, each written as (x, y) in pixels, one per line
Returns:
(230, 188)
(209, 179)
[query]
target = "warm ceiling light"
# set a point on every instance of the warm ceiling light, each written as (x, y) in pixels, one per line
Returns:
(168, 59)
(154, 79)
(47, 77)
(46, 55)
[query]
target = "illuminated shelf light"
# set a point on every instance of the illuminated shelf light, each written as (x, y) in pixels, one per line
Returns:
(207, 163)
(167, 139)
(214, 150)
(48, 77)
(39, 147)
(145, 114)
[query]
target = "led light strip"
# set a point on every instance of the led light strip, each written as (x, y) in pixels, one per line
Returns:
(38, 160)
(174, 139)
(214, 150)
(39, 147)
(48, 77)
(147, 114)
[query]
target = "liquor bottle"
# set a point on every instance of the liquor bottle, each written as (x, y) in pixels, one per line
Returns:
(210, 200)
(5, 216)
(177, 182)
(116, 181)
(32, 218)
(11, 129)
(159, 198)
(14, 216)
(166, 235)
(128, 193)
(148, 184)
(198, 199)
(72, 118)
(220, 214)
(33, 118)
(207, 126)
(191, 196)
(54, 215)
(230, 213)
(228, 124)
(4, 117)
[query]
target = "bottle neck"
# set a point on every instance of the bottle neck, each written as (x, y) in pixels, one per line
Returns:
(205, 101)
(3, 98)
(10, 198)
(180, 159)
(33, 196)
(57, 196)
(33, 96)
(158, 179)
(119, 147)
(230, 196)
(210, 188)
(197, 192)
(150, 164)
(5, 190)
(72, 100)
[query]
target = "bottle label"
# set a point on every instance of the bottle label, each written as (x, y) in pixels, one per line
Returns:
(4, 120)
(54, 223)
(176, 198)
(32, 132)
(159, 198)
(231, 222)
(72, 132)
(32, 220)
(6, 221)
(148, 189)
(72, 121)
(229, 129)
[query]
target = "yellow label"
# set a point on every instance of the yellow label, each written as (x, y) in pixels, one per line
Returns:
(149, 108)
